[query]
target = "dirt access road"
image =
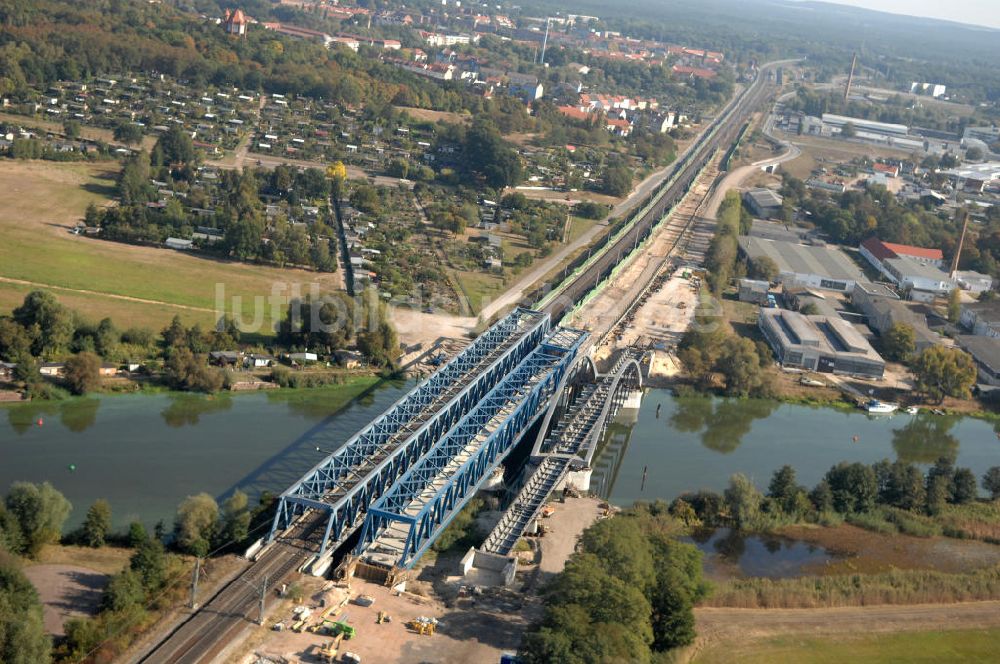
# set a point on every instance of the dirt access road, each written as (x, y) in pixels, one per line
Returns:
(719, 624)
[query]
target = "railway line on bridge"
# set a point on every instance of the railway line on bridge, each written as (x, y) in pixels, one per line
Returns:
(402, 478)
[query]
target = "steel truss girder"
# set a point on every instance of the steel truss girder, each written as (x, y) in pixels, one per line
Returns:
(400, 445)
(488, 433)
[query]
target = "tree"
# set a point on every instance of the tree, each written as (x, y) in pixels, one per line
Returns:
(743, 500)
(849, 130)
(337, 173)
(186, 371)
(124, 592)
(49, 324)
(954, 305)
(97, 524)
(40, 511)
(740, 366)
(235, 518)
(905, 487)
(486, 155)
(83, 373)
(940, 485)
(764, 268)
(991, 482)
(785, 491)
(964, 486)
(945, 372)
(136, 534)
(22, 631)
(175, 147)
(195, 524)
(15, 342)
(898, 342)
(71, 130)
(617, 180)
(150, 562)
(128, 133)
(853, 487)
(975, 153)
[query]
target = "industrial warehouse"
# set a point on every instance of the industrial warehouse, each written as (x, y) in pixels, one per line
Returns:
(826, 344)
(814, 266)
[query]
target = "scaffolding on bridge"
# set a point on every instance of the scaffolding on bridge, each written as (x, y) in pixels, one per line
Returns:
(345, 484)
(407, 519)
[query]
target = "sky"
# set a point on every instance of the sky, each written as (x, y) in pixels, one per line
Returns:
(977, 12)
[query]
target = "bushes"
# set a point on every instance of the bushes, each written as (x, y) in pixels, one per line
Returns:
(285, 377)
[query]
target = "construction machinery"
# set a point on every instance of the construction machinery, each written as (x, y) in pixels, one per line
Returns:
(328, 653)
(423, 625)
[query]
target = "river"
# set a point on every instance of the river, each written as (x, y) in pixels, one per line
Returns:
(699, 442)
(145, 453)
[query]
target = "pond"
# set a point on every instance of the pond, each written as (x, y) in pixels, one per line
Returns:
(729, 553)
(699, 442)
(147, 452)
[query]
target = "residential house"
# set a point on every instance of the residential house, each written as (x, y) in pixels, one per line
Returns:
(349, 359)
(302, 358)
(235, 22)
(258, 361)
(225, 358)
(52, 368)
(107, 369)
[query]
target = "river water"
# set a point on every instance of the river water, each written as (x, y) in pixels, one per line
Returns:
(698, 443)
(145, 453)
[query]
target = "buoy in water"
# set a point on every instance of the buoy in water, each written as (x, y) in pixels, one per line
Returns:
(72, 467)
(856, 438)
(40, 421)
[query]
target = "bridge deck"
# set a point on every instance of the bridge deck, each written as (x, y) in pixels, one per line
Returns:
(347, 481)
(420, 504)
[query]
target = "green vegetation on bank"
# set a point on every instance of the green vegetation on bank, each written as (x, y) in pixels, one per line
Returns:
(42, 329)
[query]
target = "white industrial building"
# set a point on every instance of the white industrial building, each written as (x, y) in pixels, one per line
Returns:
(812, 266)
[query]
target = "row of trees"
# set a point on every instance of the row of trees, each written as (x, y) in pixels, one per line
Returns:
(847, 489)
(723, 251)
(625, 595)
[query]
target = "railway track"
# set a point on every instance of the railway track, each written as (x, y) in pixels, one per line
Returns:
(724, 130)
(211, 628)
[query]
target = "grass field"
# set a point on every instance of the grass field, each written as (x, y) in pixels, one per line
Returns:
(42, 201)
(967, 645)
(480, 288)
